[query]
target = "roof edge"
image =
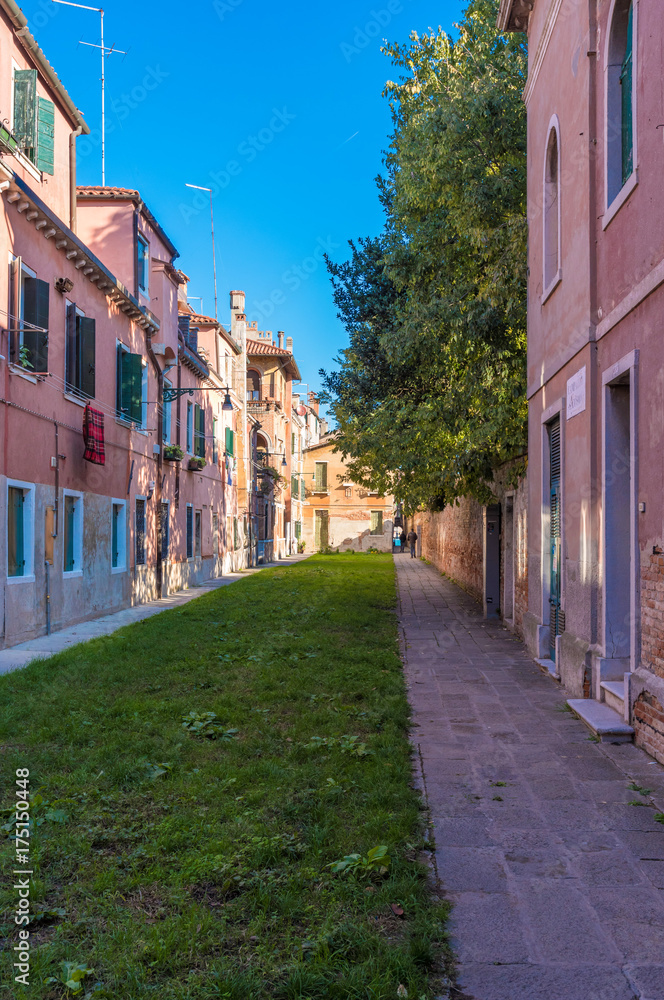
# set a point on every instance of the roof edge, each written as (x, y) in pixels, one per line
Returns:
(513, 15)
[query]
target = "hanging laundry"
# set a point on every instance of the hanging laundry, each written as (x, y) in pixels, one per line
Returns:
(93, 436)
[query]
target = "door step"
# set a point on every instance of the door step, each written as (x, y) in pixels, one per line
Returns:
(602, 720)
(613, 693)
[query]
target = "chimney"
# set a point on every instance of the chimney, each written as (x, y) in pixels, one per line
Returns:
(289, 344)
(237, 302)
(313, 402)
(280, 338)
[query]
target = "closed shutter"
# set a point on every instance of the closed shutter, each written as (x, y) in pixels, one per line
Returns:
(321, 476)
(626, 87)
(294, 487)
(87, 329)
(35, 322)
(45, 135)
(190, 532)
(140, 532)
(215, 450)
(164, 530)
(236, 538)
(131, 386)
(25, 106)
(321, 529)
(229, 441)
(272, 385)
(15, 532)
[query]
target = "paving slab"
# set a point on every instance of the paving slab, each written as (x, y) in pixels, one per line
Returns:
(556, 880)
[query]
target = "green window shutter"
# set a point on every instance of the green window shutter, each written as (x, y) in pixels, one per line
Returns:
(87, 340)
(45, 135)
(626, 87)
(69, 533)
(199, 431)
(294, 487)
(292, 442)
(35, 322)
(190, 429)
(190, 532)
(15, 532)
(25, 107)
(131, 386)
(215, 454)
(230, 442)
(321, 476)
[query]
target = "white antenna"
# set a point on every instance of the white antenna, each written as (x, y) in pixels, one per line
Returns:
(214, 258)
(104, 52)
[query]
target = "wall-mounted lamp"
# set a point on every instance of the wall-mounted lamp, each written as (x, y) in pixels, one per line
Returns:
(227, 404)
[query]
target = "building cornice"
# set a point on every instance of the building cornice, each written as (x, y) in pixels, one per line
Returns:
(17, 193)
(538, 59)
(513, 15)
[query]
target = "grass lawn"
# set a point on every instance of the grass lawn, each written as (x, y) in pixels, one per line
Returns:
(191, 863)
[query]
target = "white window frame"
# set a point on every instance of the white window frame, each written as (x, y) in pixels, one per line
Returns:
(612, 206)
(122, 539)
(554, 126)
(78, 534)
(143, 241)
(190, 428)
(144, 396)
(28, 531)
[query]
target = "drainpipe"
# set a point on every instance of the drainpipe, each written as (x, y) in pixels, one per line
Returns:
(593, 212)
(72, 177)
(160, 456)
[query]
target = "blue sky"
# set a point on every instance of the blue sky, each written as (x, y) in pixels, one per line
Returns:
(276, 106)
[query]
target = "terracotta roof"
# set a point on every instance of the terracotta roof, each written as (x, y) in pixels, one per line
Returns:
(127, 194)
(265, 347)
(205, 320)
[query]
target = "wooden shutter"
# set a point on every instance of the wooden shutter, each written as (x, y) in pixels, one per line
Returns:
(321, 476)
(140, 532)
(45, 135)
(87, 341)
(272, 385)
(131, 390)
(164, 530)
(190, 532)
(25, 107)
(35, 322)
(229, 441)
(199, 431)
(15, 532)
(294, 487)
(322, 534)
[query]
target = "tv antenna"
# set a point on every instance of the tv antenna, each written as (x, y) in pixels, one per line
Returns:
(105, 51)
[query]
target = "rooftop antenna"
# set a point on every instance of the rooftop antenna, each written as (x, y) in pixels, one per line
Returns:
(104, 52)
(214, 259)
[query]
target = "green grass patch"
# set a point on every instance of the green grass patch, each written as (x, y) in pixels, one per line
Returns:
(214, 782)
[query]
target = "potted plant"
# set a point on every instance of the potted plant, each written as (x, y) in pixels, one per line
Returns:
(301, 545)
(196, 463)
(173, 453)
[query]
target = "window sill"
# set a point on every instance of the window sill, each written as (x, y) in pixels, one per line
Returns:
(21, 372)
(118, 569)
(75, 399)
(71, 574)
(28, 165)
(620, 198)
(30, 578)
(550, 289)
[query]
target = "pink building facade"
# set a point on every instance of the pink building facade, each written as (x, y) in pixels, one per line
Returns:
(596, 299)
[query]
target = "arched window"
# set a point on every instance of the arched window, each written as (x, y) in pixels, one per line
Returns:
(253, 385)
(620, 137)
(262, 450)
(551, 209)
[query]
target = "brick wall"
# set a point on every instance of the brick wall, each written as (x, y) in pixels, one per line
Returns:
(452, 540)
(648, 722)
(652, 615)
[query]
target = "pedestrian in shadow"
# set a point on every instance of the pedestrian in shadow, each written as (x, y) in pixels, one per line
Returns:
(402, 539)
(412, 539)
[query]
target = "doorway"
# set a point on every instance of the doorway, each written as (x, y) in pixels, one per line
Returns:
(619, 490)
(556, 615)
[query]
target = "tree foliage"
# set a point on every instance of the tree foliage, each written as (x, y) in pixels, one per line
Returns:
(429, 397)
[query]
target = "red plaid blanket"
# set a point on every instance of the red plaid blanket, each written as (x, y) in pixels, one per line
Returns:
(93, 435)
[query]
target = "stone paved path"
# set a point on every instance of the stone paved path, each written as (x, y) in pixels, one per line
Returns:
(46, 645)
(557, 881)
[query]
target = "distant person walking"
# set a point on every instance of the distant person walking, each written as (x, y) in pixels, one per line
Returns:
(402, 539)
(412, 539)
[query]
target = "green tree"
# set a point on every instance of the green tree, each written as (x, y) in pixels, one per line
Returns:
(430, 395)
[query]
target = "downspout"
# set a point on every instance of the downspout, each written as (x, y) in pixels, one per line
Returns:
(72, 177)
(160, 456)
(595, 399)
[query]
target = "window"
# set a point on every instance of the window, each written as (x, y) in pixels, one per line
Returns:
(621, 90)
(143, 268)
(190, 429)
(321, 477)
(376, 522)
(230, 442)
(253, 385)
(30, 314)
(140, 531)
(118, 535)
(129, 385)
(20, 531)
(164, 529)
(245, 530)
(552, 210)
(190, 531)
(236, 540)
(295, 483)
(166, 415)
(199, 431)
(79, 352)
(298, 530)
(199, 529)
(215, 533)
(215, 445)
(144, 393)
(272, 389)
(73, 532)
(34, 121)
